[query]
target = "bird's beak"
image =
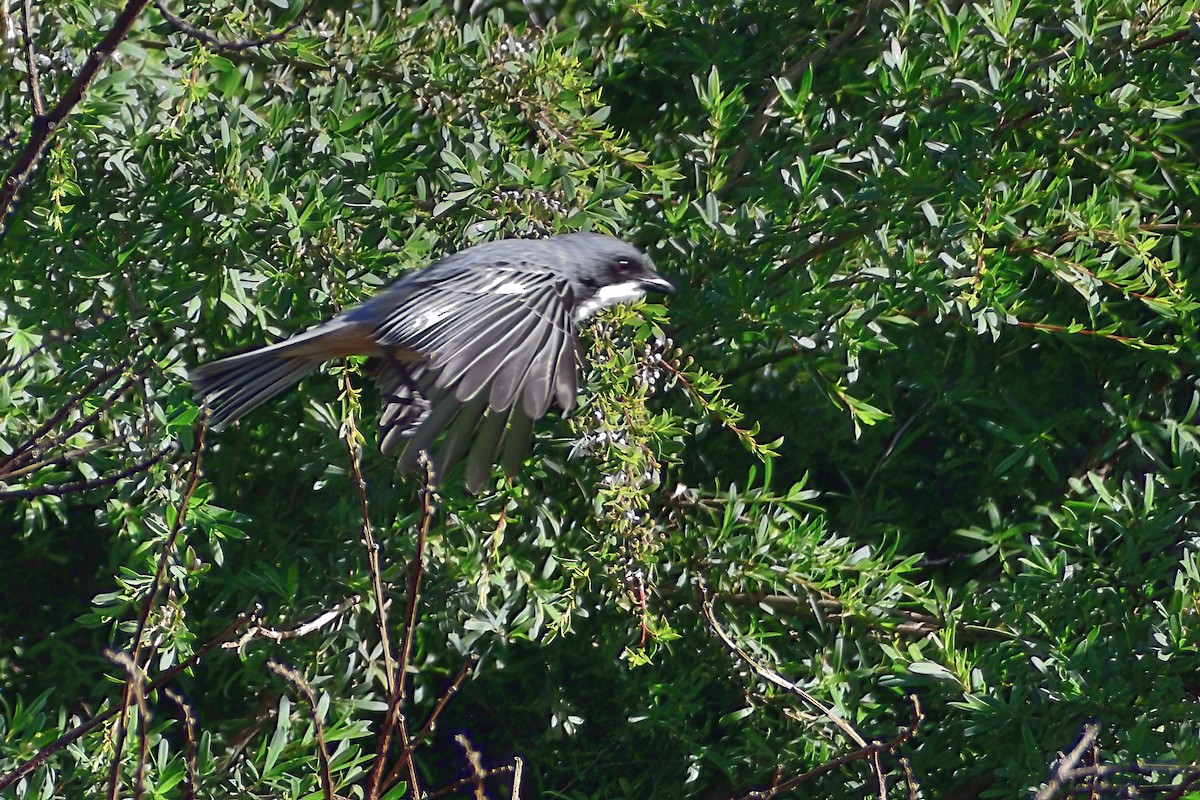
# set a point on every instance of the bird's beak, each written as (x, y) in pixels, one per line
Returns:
(653, 282)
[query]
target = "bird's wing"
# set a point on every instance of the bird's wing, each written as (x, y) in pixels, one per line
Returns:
(503, 332)
(495, 350)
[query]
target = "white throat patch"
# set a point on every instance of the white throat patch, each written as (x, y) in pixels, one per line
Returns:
(611, 295)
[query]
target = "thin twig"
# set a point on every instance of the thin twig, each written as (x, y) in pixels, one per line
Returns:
(84, 728)
(135, 677)
(870, 751)
(35, 80)
(431, 723)
(762, 117)
(353, 444)
(773, 677)
(302, 686)
(444, 700)
(475, 761)
(516, 768)
(305, 628)
(234, 45)
(63, 489)
(148, 603)
(22, 450)
(44, 127)
(191, 779)
(1066, 766)
(395, 714)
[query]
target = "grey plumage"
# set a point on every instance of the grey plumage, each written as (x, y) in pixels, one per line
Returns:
(467, 350)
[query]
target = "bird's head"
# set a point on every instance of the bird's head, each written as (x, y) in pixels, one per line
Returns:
(605, 271)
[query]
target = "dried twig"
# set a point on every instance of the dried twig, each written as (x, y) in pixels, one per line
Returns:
(324, 618)
(233, 45)
(302, 686)
(475, 761)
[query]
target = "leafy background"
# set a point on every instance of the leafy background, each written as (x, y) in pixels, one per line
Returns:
(922, 419)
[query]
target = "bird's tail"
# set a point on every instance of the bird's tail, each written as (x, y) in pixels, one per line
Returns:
(234, 386)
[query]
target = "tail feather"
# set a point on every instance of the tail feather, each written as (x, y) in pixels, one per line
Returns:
(234, 386)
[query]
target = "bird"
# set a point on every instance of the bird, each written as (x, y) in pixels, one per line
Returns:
(468, 352)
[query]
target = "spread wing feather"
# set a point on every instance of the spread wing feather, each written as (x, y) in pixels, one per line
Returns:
(497, 347)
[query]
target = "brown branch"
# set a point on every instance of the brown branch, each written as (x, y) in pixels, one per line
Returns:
(35, 80)
(235, 45)
(431, 723)
(475, 761)
(148, 603)
(1163, 41)
(869, 752)
(444, 700)
(81, 730)
(395, 714)
(302, 686)
(29, 445)
(136, 678)
(516, 768)
(1066, 766)
(44, 127)
(353, 445)
(63, 489)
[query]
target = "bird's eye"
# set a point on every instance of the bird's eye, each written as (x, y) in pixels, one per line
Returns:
(622, 266)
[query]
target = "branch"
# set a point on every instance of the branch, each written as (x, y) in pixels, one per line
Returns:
(62, 489)
(395, 715)
(191, 779)
(773, 677)
(235, 45)
(81, 730)
(45, 126)
(870, 752)
(762, 117)
(305, 628)
(160, 574)
(1066, 766)
(306, 691)
(35, 80)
